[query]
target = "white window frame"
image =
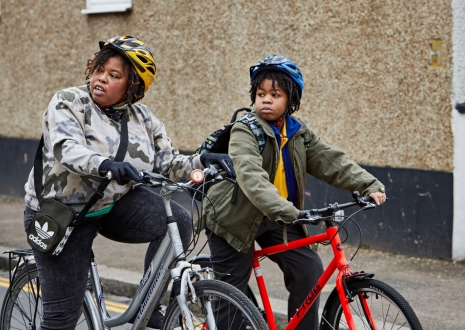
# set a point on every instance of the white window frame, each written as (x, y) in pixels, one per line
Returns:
(106, 6)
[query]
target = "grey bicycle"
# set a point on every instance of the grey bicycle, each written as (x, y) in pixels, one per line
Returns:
(195, 297)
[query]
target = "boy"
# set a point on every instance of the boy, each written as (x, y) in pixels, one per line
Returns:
(272, 186)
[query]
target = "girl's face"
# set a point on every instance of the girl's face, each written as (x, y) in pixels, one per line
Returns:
(109, 82)
(271, 103)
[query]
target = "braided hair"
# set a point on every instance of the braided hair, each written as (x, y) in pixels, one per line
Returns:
(135, 90)
(285, 82)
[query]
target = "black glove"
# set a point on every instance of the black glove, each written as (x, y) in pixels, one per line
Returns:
(223, 160)
(304, 214)
(122, 172)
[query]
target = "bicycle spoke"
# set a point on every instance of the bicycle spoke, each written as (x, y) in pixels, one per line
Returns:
(30, 295)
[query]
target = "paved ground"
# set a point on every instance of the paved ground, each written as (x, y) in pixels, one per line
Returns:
(434, 288)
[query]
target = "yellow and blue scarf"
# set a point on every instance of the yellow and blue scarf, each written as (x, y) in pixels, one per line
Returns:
(285, 179)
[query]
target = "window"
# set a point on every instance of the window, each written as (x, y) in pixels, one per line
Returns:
(106, 6)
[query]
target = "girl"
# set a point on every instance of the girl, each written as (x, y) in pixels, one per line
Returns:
(81, 130)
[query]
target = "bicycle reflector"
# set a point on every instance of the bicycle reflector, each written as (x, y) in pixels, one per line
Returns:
(197, 176)
(339, 216)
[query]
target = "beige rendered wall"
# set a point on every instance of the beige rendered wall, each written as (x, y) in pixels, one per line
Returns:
(369, 89)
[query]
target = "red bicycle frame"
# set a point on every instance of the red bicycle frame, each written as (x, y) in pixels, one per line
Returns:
(338, 262)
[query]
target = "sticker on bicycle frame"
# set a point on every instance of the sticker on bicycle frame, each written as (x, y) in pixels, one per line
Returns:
(258, 272)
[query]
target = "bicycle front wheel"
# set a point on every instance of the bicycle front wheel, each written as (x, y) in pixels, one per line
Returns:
(231, 309)
(22, 306)
(376, 305)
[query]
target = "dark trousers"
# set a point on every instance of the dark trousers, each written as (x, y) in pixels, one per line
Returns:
(138, 217)
(301, 267)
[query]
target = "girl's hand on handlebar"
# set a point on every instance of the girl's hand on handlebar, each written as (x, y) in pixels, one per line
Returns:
(378, 197)
(121, 172)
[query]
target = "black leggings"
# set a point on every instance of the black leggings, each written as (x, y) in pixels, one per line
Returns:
(138, 217)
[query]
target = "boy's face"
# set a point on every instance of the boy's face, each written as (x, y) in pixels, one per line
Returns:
(271, 103)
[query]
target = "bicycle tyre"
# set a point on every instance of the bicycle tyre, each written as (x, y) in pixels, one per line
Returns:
(389, 309)
(219, 293)
(20, 302)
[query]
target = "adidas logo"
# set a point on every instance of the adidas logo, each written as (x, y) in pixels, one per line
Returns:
(42, 231)
(38, 241)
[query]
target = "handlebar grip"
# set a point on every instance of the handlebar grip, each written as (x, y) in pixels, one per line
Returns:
(304, 214)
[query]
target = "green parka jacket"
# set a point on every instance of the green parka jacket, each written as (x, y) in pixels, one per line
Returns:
(238, 221)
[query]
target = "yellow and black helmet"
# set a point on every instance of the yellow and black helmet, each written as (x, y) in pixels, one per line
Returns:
(139, 55)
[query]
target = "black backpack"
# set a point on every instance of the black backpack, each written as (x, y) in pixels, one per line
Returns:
(218, 142)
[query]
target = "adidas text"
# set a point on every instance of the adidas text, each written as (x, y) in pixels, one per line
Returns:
(38, 241)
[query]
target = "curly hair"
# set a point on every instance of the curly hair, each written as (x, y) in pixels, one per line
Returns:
(135, 90)
(285, 82)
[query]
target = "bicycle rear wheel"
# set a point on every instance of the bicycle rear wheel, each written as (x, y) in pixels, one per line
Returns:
(241, 313)
(388, 309)
(22, 306)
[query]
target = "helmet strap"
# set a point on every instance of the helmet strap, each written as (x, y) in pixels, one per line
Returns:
(279, 123)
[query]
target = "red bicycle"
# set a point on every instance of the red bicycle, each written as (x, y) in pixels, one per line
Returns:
(358, 301)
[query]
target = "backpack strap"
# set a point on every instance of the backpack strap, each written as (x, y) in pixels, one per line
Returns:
(252, 123)
(234, 116)
(306, 141)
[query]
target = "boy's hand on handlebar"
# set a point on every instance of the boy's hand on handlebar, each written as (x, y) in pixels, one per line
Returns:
(378, 197)
(223, 160)
(122, 172)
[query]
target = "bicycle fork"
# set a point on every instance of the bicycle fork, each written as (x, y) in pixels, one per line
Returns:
(184, 288)
(344, 275)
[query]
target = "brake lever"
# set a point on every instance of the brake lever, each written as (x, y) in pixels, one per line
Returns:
(308, 221)
(151, 178)
(369, 206)
(365, 203)
(152, 175)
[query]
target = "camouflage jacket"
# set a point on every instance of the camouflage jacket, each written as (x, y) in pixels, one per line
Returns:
(78, 137)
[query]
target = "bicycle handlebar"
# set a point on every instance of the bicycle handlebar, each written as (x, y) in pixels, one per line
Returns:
(156, 180)
(315, 215)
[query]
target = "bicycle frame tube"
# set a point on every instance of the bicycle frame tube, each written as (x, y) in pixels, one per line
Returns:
(338, 262)
(95, 315)
(147, 295)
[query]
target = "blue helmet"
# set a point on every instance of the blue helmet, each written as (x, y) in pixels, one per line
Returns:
(282, 63)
